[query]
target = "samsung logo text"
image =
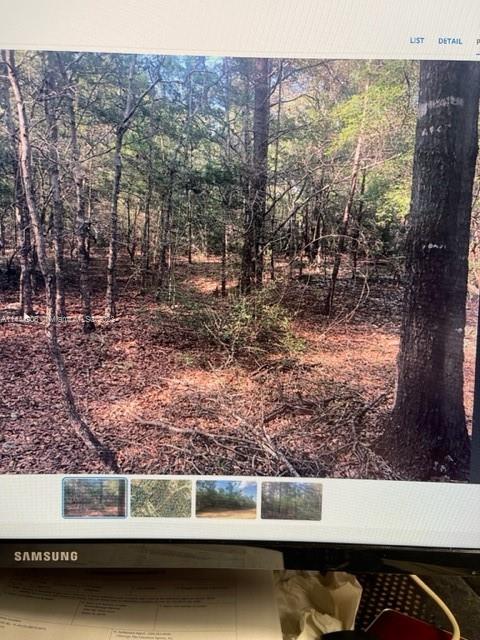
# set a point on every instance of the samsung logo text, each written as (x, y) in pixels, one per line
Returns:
(45, 556)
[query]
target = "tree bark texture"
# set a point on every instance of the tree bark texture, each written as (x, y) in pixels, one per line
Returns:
(429, 406)
(81, 223)
(50, 102)
(111, 295)
(25, 161)
(21, 218)
(252, 258)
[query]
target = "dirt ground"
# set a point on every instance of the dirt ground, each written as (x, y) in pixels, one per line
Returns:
(243, 514)
(167, 402)
(81, 512)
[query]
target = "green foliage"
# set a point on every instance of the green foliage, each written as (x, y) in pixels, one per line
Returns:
(249, 324)
(241, 325)
(188, 150)
(387, 205)
(378, 101)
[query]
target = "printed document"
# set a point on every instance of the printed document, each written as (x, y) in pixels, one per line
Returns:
(162, 605)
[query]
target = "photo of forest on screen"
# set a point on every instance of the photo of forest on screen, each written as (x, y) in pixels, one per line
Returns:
(238, 266)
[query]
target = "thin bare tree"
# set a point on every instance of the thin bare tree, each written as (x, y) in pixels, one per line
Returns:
(51, 327)
(81, 223)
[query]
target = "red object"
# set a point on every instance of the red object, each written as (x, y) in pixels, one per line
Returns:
(391, 625)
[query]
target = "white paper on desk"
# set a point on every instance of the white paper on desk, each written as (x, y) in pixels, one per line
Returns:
(166, 605)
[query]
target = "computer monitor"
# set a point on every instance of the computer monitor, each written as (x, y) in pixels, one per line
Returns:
(239, 279)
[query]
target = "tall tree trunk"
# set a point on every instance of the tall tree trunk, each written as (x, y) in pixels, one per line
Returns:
(111, 294)
(50, 103)
(21, 218)
(157, 239)
(146, 226)
(2, 236)
(188, 159)
(318, 215)
(252, 258)
(275, 170)
(358, 225)
(224, 259)
(25, 161)
(90, 198)
(246, 266)
(292, 244)
(164, 267)
(190, 228)
(429, 405)
(305, 239)
(131, 244)
(25, 249)
(328, 304)
(129, 225)
(318, 218)
(316, 244)
(81, 223)
(227, 199)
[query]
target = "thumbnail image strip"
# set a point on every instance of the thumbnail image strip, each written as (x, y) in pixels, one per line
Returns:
(161, 498)
(291, 501)
(94, 498)
(226, 499)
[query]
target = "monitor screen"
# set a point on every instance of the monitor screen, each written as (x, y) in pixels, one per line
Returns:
(240, 271)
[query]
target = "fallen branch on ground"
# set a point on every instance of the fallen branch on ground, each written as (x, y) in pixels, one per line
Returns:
(264, 443)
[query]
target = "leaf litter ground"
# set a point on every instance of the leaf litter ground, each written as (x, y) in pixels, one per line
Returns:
(167, 402)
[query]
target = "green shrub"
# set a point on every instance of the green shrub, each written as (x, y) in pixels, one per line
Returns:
(239, 325)
(250, 325)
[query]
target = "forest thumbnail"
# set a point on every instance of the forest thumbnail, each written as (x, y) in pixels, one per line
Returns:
(94, 498)
(291, 500)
